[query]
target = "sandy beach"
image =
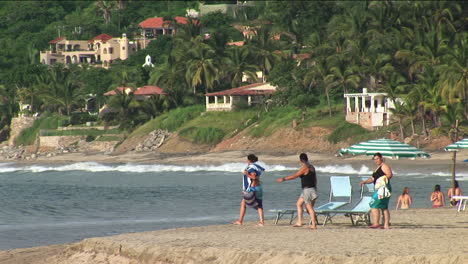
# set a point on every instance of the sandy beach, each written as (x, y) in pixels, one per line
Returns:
(416, 236)
(437, 158)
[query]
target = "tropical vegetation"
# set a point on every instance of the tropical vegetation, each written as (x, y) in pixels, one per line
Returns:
(313, 51)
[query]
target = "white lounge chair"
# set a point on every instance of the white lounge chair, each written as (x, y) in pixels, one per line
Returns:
(281, 212)
(340, 188)
(462, 200)
(360, 213)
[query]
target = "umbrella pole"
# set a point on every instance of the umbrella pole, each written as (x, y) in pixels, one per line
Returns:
(454, 158)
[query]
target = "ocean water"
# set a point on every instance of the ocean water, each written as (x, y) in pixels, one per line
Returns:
(52, 204)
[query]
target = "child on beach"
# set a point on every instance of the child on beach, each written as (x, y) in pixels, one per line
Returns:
(252, 190)
(437, 197)
(404, 200)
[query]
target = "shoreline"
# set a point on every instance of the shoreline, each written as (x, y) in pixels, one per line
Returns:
(217, 158)
(417, 236)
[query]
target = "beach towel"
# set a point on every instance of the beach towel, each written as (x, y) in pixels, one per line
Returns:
(253, 167)
(253, 196)
(381, 185)
(382, 193)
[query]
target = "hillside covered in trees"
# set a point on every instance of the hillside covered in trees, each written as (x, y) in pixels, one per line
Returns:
(313, 51)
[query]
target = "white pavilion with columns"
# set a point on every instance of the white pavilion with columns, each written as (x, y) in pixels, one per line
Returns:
(369, 110)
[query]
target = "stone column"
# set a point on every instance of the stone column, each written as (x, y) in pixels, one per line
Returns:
(356, 104)
(348, 105)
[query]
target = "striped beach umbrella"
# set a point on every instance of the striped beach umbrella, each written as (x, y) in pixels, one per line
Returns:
(386, 147)
(462, 144)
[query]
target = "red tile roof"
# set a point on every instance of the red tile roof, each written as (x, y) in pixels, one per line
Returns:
(150, 90)
(154, 22)
(181, 20)
(159, 22)
(103, 37)
(184, 20)
(243, 90)
(302, 56)
(57, 40)
(117, 90)
(236, 43)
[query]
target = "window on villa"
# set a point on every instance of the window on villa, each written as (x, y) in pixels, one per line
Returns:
(111, 50)
(123, 48)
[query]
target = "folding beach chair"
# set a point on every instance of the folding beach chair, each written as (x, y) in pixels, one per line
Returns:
(281, 212)
(360, 213)
(340, 188)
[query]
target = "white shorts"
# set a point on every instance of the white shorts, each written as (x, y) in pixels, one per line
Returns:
(309, 195)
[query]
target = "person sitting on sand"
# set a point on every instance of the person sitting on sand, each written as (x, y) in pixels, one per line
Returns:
(437, 197)
(404, 200)
(252, 190)
(309, 191)
(451, 193)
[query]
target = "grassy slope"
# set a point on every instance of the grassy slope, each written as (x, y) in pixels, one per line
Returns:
(200, 127)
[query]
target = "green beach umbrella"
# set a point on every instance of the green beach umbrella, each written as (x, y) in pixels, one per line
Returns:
(462, 144)
(386, 147)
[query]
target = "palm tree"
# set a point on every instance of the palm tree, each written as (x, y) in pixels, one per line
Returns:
(342, 75)
(170, 76)
(316, 76)
(409, 108)
(394, 86)
(238, 65)
(8, 105)
(262, 48)
(61, 91)
(202, 67)
(400, 114)
(433, 99)
(454, 74)
(122, 102)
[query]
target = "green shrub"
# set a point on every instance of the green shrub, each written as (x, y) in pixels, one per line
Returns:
(81, 118)
(203, 135)
(178, 117)
(344, 131)
(90, 138)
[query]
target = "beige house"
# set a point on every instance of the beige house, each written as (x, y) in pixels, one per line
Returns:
(369, 110)
(227, 100)
(99, 51)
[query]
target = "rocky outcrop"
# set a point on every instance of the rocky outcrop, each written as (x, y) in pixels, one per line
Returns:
(153, 141)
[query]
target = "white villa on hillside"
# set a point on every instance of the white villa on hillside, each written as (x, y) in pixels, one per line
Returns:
(369, 110)
(227, 100)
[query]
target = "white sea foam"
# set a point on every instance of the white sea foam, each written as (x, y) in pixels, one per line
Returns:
(227, 167)
(344, 169)
(136, 168)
